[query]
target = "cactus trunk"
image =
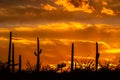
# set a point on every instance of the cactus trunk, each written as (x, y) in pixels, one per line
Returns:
(72, 57)
(20, 63)
(38, 55)
(13, 61)
(97, 56)
(9, 52)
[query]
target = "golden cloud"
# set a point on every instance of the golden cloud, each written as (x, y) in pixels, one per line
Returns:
(108, 11)
(63, 26)
(113, 51)
(25, 41)
(71, 6)
(30, 14)
(70, 29)
(69, 41)
(22, 40)
(47, 41)
(52, 26)
(23, 29)
(3, 39)
(104, 3)
(4, 30)
(48, 7)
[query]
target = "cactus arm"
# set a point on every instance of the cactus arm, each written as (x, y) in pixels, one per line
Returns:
(40, 51)
(35, 54)
(14, 64)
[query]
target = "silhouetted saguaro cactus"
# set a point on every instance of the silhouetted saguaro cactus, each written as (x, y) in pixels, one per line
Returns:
(97, 56)
(13, 59)
(38, 55)
(72, 57)
(20, 63)
(9, 52)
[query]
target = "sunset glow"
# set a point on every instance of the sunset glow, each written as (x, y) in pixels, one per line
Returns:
(58, 24)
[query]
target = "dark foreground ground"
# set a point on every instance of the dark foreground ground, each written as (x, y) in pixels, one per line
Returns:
(51, 75)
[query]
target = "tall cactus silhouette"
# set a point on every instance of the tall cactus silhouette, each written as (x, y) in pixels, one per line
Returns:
(9, 55)
(13, 59)
(9, 52)
(38, 55)
(72, 57)
(97, 56)
(20, 63)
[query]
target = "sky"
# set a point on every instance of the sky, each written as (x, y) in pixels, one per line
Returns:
(58, 24)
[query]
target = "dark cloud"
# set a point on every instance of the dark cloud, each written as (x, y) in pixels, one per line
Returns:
(76, 3)
(14, 3)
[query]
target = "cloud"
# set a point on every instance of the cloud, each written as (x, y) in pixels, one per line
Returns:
(58, 10)
(104, 3)
(113, 51)
(69, 30)
(29, 42)
(65, 32)
(75, 5)
(48, 7)
(22, 40)
(108, 11)
(3, 12)
(4, 30)
(23, 29)
(48, 27)
(3, 39)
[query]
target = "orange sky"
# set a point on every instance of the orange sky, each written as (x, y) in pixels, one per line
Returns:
(58, 23)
